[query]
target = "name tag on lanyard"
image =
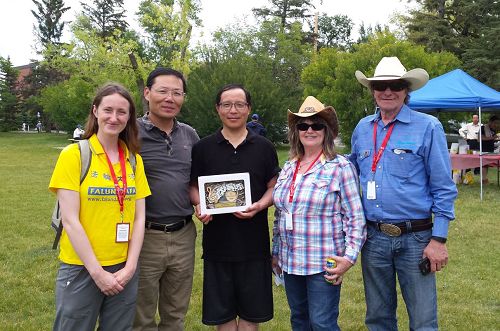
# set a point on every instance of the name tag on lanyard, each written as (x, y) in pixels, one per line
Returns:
(122, 232)
(371, 192)
(288, 221)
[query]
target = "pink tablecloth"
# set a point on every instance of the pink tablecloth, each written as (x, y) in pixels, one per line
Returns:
(467, 161)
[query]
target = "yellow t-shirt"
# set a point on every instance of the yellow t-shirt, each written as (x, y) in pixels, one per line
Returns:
(99, 207)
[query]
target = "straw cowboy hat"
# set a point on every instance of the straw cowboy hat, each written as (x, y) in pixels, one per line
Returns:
(390, 68)
(312, 106)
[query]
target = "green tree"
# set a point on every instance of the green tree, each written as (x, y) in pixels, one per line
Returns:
(266, 61)
(365, 33)
(49, 26)
(468, 29)
(334, 31)
(168, 25)
(105, 16)
(8, 95)
(90, 62)
(331, 76)
(286, 10)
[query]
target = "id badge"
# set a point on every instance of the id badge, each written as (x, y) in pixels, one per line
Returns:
(122, 232)
(288, 221)
(371, 194)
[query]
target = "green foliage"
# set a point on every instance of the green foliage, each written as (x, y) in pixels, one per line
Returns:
(168, 25)
(267, 62)
(334, 31)
(331, 79)
(92, 63)
(48, 14)
(469, 29)
(105, 16)
(285, 10)
(8, 95)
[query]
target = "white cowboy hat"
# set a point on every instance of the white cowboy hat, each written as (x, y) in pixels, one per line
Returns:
(390, 68)
(312, 106)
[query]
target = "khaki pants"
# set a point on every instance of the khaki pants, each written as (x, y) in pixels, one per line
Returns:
(165, 278)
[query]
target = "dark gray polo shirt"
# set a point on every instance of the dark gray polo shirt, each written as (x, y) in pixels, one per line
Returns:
(167, 163)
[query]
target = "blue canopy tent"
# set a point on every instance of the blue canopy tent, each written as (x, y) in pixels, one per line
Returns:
(456, 91)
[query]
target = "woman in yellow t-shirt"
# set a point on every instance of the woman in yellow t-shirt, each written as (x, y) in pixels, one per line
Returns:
(103, 219)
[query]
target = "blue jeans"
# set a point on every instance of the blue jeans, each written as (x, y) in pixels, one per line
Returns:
(314, 303)
(382, 258)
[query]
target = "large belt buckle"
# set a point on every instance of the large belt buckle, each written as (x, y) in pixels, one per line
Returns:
(390, 229)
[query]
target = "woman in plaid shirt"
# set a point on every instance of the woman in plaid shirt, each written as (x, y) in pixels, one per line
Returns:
(318, 216)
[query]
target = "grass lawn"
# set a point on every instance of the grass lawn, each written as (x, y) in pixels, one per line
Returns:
(469, 295)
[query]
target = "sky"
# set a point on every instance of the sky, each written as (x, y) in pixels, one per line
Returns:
(16, 20)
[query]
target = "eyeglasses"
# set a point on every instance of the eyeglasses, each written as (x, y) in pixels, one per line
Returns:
(237, 105)
(395, 86)
(174, 93)
(314, 126)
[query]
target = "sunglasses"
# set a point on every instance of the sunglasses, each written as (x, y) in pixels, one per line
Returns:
(395, 86)
(314, 126)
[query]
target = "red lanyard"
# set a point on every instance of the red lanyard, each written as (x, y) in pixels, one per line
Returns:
(292, 186)
(378, 156)
(121, 192)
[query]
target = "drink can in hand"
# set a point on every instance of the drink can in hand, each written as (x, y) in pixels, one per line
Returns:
(330, 263)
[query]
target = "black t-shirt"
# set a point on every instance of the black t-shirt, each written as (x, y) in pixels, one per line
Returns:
(226, 237)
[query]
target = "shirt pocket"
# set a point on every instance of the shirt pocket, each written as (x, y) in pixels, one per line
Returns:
(364, 160)
(402, 165)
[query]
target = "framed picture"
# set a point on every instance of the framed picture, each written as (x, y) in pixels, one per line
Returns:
(221, 194)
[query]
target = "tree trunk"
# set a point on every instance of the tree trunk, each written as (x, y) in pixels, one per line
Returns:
(441, 8)
(139, 81)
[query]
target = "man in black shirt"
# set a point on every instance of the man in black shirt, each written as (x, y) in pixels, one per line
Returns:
(237, 287)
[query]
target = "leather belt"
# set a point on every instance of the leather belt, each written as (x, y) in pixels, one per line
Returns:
(168, 227)
(397, 229)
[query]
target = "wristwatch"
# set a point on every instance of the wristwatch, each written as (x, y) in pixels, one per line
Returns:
(439, 239)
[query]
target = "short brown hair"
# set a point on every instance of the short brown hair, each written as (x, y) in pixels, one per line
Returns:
(130, 134)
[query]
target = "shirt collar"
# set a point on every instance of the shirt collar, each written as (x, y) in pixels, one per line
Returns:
(403, 116)
(149, 125)
(97, 148)
(322, 159)
(251, 136)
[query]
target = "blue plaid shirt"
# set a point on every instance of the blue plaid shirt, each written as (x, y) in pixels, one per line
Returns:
(327, 213)
(413, 177)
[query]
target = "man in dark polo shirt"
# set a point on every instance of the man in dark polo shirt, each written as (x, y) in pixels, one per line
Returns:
(167, 256)
(237, 286)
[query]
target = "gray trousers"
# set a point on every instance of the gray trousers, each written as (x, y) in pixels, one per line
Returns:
(79, 302)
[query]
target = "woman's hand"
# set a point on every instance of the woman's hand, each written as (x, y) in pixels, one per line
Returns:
(124, 275)
(340, 269)
(107, 282)
(249, 212)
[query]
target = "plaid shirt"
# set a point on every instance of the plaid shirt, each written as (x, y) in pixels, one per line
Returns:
(327, 213)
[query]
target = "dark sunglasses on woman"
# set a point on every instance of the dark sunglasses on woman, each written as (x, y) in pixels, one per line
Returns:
(314, 126)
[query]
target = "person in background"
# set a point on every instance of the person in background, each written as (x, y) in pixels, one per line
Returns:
(167, 256)
(319, 215)
(404, 169)
(255, 126)
(237, 275)
(488, 137)
(103, 219)
(470, 133)
(78, 133)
